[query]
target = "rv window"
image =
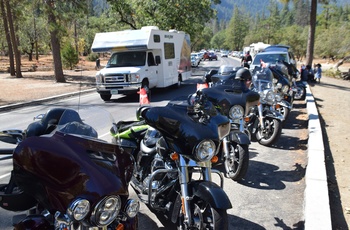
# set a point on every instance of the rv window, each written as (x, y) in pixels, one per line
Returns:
(150, 59)
(169, 50)
(127, 59)
(156, 38)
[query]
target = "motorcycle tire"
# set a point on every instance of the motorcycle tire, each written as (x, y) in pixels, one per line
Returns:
(285, 112)
(273, 130)
(237, 165)
(300, 94)
(208, 217)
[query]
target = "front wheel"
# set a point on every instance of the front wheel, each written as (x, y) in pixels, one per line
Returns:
(237, 164)
(284, 111)
(205, 216)
(271, 133)
(106, 97)
(300, 93)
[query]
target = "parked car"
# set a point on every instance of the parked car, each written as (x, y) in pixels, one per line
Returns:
(274, 54)
(225, 75)
(195, 60)
(212, 56)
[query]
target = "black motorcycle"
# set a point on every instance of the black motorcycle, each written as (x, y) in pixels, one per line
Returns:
(264, 122)
(233, 101)
(65, 176)
(182, 141)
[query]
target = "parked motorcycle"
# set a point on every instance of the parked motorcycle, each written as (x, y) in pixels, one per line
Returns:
(264, 123)
(65, 176)
(285, 95)
(298, 87)
(233, 101)
(181, 143)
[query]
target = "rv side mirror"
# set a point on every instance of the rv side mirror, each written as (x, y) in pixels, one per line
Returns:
(157, 60)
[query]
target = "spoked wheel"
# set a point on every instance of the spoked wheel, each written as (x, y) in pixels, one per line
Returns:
(284, 111)
(237, 164)
(205, 217)
(300, 93)
(271, 133)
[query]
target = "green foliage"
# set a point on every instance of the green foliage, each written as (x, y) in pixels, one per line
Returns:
(69, 56)
(237, 30)
(183, 15)
(335, 73)
(218, 40)
(93, 56)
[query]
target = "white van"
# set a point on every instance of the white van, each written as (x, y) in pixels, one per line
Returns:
(147, 58)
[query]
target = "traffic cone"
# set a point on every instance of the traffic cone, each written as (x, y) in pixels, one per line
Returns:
(143, 96)
(202, 86)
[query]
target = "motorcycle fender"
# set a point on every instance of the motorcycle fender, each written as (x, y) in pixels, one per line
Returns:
(273, 114)
(300, 84)
(239, 137)
(207, 191)
(285, 104)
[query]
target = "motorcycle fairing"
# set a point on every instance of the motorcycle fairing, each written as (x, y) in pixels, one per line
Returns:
(177, 127)
(225, 96)
(60, 167)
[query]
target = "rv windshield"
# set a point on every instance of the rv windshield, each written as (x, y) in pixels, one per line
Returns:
(127, 59)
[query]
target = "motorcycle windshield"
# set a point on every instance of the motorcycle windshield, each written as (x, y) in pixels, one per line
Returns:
(85, 123)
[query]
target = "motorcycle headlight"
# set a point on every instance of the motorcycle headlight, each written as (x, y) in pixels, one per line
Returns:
(285, 89)
(236, 112)
(205, 150)
(106, 211)
(278, 97)
(132, 208)
(270, 96)
(78, 209)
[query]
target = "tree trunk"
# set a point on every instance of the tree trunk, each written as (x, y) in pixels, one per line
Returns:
(8, 38)
(55, 44)
(341, 61)
(312, 30)
(13, 40)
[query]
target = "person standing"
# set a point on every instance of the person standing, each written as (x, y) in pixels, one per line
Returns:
(246, 59)
(318, 73)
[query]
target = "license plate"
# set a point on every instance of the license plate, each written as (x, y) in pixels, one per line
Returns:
(114, 91)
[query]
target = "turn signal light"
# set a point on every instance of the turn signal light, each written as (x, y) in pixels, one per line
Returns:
(120, 227)
(214, 159)
(174, 156)
(246, 119)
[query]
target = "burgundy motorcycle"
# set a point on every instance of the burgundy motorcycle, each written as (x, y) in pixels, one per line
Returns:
(66, 176)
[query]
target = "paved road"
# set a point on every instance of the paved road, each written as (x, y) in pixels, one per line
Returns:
(270, 197)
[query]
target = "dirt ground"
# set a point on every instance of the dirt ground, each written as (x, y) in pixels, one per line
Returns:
(332, 97)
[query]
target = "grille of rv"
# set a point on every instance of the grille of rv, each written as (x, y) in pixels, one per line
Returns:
(116, 78)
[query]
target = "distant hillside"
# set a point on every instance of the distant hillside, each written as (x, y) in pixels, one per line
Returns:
(225, 9)
(253, 7)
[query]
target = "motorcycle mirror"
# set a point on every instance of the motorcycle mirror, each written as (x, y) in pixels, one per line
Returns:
(11, 136)
(39, 117)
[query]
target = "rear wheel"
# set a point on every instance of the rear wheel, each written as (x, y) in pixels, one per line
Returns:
(205, 216)
(237, 164)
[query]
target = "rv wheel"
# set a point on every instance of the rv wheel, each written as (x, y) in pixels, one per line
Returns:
(106, 97)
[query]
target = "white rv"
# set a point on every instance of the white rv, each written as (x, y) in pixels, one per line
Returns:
(147, 58)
